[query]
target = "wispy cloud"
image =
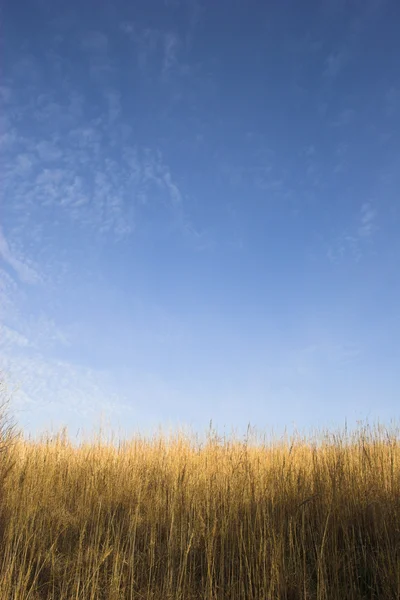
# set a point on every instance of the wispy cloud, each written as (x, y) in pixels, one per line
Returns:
(344, 118)
(96, 47)
(12, 339)
(146, 41)
(351, 243)
(367, 220)
(114, 105)
(80, 169)
(260, 169)
(154, 48)
(95, 41)
(43, 383)
(193, 9)
(334, 63)
(363, 16)
(62, 391)
(392, 101)
(74, 166)
(155, 172)
(8, 293)
(337, 6)
(174, 192)
(25, 272)
(312, 167)
(341, 158)
(328, 351)
(171, 44)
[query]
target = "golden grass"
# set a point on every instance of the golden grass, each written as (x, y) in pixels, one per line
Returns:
(162, 519)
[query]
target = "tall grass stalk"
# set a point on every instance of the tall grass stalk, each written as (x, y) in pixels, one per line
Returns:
(161, 519)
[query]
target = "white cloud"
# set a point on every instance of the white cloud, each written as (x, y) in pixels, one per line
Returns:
(171, 43)
(326, 353)
(42, 380)
(66, 389)
(25, 272)
(334, 63)
(146, 41)
(174, 192)
(344, 118)
(333, 6)
(74, 167)
(392, 101)
(153, 46)
(87, 171)
(351, 243)
(71, 166)
(261, 170)
(5, 93)
(114, 105)
(127, 27)
(12, 339)
(309, 150)
(8, 292)
(367, 220)
(48, 151)
(96, 45)
(95, 41)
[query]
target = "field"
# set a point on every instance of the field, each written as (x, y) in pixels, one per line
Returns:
(165, 519)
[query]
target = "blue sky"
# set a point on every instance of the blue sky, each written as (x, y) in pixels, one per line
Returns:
(199, 213)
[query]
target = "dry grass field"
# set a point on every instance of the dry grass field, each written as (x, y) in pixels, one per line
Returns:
(164, 519)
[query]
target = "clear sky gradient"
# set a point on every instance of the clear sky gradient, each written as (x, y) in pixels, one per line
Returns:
(200, 213)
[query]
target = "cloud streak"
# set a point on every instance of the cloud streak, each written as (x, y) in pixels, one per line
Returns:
(155, 49)
(25, 272)
(367, 218)
(351, 243)
(83, 170)
(73, 168)
(171, 44)
(334, 63)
